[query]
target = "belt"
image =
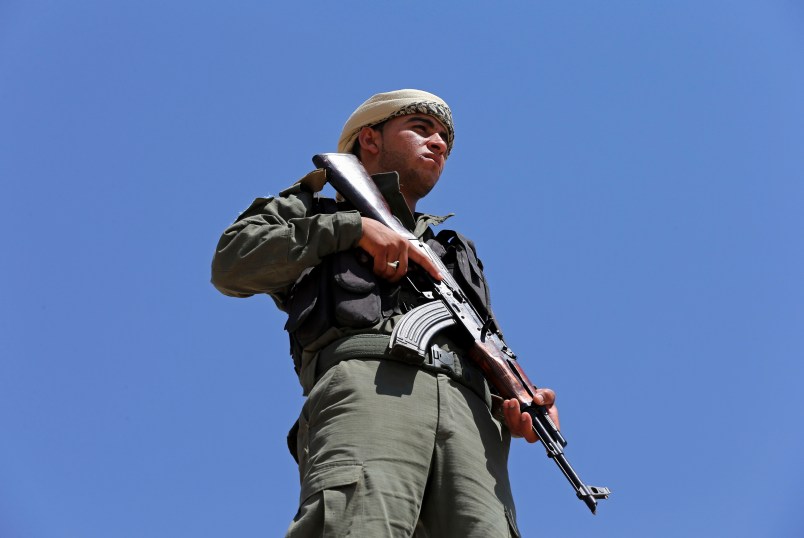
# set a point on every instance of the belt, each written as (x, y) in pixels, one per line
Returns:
(375, 347)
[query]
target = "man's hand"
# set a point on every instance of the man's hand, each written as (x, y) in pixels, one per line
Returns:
(388, 247)
(521, 424)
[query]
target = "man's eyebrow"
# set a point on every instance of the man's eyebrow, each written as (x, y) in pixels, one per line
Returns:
(430, 122)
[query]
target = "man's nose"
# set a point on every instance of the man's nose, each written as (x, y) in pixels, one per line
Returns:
(437, 144)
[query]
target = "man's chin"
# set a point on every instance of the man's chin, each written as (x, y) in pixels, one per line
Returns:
(419, 186)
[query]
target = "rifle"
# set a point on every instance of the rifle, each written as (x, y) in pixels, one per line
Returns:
(451, 307)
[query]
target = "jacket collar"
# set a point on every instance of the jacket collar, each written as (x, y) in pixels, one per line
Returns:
(388, 184)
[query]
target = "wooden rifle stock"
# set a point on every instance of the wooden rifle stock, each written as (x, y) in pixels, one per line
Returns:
(412, 334)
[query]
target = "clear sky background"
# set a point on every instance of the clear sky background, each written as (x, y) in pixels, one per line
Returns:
(632, 173)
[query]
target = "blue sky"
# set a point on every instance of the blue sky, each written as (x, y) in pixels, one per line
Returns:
(631, 172)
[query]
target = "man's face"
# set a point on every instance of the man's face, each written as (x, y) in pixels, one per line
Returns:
(415, 146)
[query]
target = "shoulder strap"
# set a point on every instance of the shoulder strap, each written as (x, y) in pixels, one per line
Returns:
(461, 258)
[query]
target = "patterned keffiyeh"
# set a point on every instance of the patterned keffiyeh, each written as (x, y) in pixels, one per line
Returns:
(384, 106)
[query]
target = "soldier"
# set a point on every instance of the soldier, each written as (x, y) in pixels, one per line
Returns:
(385, 447)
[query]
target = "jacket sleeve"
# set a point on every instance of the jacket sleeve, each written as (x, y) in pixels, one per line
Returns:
(275, 240)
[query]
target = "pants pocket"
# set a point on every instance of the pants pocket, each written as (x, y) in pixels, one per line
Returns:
(330, 501)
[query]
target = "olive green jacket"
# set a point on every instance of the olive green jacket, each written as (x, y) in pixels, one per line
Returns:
(276, 239)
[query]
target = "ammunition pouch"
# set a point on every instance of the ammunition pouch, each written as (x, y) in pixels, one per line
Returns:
(459, 255)
(343, 292)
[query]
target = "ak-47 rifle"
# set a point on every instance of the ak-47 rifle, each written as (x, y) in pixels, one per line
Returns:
(450, 307)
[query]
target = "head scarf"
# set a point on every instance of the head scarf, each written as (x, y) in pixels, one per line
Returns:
(384, 106)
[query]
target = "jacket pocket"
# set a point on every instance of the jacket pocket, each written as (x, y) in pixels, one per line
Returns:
(307, 318)
(355, 292)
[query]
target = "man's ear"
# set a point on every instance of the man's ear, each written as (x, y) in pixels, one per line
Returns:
(370, 140)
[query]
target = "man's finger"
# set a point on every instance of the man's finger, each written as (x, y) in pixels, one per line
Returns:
(402, 268)
(511, 414)
(397, 268)
(424, 261)
(545, 397)
(526, 428)
(519, 424)
(380, 268)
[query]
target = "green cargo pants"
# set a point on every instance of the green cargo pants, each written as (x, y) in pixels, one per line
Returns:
(390, 450)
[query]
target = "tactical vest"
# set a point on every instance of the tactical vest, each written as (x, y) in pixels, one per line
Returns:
(343, 291)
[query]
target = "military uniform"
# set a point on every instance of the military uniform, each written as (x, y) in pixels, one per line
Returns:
(385, 448)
